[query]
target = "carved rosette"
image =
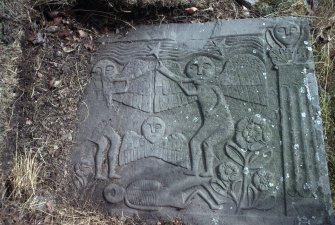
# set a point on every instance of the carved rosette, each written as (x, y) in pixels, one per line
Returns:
(243, 178)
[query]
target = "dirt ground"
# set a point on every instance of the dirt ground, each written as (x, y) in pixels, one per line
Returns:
(45, 54)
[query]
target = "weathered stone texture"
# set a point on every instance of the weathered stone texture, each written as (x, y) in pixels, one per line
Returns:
(216, 123)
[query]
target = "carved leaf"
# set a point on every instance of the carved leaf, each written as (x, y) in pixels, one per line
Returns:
(236, 187)
(279, 56)
(259, 159)
(267, 202)
(252, 193)
(234, 152)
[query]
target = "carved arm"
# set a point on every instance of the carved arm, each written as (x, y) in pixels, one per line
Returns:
(179, 80)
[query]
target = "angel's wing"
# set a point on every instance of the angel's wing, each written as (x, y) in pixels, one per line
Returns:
(168, 94)
(244, 78)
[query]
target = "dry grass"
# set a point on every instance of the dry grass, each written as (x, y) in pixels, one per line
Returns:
(324, 45)
(24, 176)
(10, 56)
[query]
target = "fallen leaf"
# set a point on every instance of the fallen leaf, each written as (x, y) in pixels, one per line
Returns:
(29, 122)
(89, 46)
(191, 10)
(77, 39)
(68, 50)
(82, 34)
(52, 29)
(40, 38)
(39, 75)
(64, 33)
(55, 83)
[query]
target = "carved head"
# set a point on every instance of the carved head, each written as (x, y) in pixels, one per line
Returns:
(153, 129)
(287, 33)
(106, 68)
(200, 67)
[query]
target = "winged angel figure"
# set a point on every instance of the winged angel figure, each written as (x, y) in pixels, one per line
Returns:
(203, 81)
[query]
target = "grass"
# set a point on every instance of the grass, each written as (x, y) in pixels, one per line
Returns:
(324, 46)
(24, 176)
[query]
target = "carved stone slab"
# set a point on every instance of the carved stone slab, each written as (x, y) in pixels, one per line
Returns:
(215, 123)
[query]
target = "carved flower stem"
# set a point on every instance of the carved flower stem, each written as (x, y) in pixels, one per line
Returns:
(245, 183)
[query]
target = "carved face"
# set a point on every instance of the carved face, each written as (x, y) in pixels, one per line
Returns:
(106, 68)
(153, 129)
(287, 33)
(200, 67)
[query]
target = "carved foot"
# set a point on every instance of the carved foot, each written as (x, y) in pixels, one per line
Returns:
(191, 173)
(100, 177)
(114, 175)
(214, 207)
(206, 174)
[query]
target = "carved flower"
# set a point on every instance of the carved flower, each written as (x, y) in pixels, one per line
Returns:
(228, 171)
(263, 180)
(253, 133)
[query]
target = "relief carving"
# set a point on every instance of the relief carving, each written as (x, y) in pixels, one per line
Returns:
(290, 52)
(153, 195)
(285, 42)
(106, 80)
(82, 171)
(153, 143)
(200, 72)
(107, 141)
(299, 145)
(243, 178)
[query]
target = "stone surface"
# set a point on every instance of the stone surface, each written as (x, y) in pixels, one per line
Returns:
(215, 123)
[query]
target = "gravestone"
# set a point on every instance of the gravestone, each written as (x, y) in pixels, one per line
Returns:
(215, 123)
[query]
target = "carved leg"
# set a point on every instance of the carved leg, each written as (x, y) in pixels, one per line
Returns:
(195, 157)
(99, 157)
(208, 199)
(113, 155)
(205, 196)
(209, 158)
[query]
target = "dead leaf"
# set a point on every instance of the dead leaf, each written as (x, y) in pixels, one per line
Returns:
(68, 49)
(76, 39)
(89, 46)
(82, 34)
(40, 38)
(55, 83)
(28, 122)
(52, 29)
(191, 10)
(64, 33)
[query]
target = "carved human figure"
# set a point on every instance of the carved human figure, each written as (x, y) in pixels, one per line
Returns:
(287, 33)
(153, 143)
(217, 123)
(153, 129)
(107, 140)
(152, 194)
(105, 79)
